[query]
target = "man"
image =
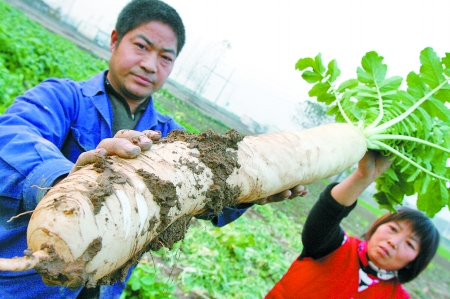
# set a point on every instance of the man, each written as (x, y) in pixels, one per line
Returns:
(60, 125)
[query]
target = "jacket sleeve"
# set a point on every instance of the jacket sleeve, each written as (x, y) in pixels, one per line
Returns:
(32, 131)
(322, 233)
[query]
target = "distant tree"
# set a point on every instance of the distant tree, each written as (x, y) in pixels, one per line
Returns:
(311, 114)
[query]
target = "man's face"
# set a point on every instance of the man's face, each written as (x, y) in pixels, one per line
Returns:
(141, 62)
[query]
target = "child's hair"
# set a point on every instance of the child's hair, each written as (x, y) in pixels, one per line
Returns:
(425, 230)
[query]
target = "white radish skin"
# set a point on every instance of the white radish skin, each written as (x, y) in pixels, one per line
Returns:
(118, 222)
(279, 161)
(66, 221)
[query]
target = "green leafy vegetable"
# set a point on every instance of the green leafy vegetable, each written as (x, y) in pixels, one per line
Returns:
(411, 124)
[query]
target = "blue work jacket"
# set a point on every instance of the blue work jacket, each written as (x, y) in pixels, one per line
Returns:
(41, 136)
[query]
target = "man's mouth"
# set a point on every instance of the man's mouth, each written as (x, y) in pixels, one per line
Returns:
(143, 80)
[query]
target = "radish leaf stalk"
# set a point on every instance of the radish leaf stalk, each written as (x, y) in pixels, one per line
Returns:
(412, 125)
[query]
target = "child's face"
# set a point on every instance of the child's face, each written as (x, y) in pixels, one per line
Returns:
(393, 245)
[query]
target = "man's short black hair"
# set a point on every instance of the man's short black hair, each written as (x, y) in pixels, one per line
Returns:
(138, 12)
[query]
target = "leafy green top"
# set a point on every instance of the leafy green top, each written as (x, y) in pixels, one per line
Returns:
(412, 125)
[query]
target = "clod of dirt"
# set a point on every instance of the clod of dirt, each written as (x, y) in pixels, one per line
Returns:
(218, 152)
(55, 271)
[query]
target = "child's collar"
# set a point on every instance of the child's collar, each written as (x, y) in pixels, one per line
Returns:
(369, 267)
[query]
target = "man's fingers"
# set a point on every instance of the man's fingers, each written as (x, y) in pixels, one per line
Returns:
(153, 135)
(281, 196)
(120, 147)
(88, 157)
(135, 137)
(274, 198)
(299, 190)
(292, 193)
(125, 144)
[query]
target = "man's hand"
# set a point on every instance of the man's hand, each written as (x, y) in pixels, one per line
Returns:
(300, 190)
(125, 144)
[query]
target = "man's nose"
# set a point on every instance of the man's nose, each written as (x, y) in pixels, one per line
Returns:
(149, 62)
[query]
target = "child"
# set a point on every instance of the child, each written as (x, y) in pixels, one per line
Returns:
(395, 250)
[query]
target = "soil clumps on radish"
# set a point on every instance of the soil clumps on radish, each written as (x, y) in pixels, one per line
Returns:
(216, 151)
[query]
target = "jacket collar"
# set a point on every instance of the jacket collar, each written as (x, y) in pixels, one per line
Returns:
(94, 88)
(94, 85)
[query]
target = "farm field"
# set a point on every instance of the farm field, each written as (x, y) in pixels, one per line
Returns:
(245, 258)
(241, 260)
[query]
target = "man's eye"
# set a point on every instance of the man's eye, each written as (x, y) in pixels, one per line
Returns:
(168, 58)
(140, 46)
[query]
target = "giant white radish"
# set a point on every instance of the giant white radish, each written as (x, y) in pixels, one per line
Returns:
(90, 228)
(93, 225)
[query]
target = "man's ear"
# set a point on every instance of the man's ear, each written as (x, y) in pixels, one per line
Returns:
(114, 40)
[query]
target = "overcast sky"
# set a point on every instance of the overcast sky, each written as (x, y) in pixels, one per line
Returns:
(268, 37)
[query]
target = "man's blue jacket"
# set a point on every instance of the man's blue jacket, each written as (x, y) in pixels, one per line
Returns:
(41, 136)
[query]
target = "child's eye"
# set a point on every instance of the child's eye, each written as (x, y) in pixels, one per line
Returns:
(393, 228)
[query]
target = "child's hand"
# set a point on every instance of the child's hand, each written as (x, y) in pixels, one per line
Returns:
(372, 165)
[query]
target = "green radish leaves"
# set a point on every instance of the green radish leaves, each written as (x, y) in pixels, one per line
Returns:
(410, 123)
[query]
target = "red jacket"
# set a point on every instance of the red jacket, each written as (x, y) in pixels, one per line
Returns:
(334, 276)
